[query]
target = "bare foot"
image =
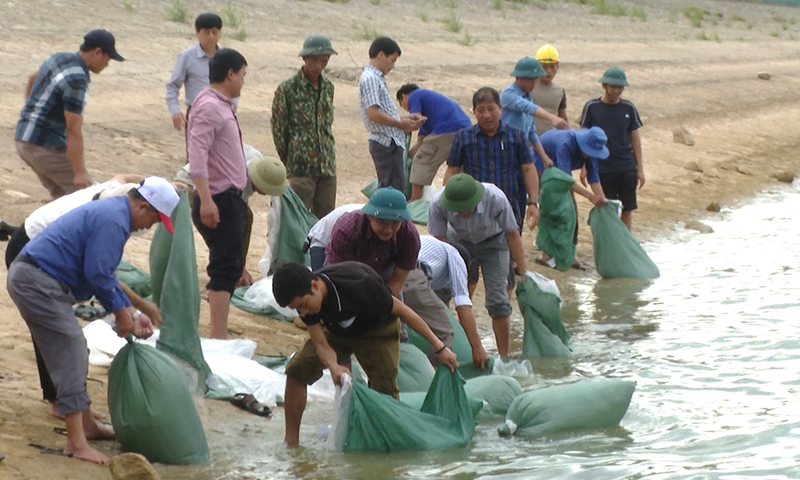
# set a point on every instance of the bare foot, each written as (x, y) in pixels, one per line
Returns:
(87, 453)
(99, 431)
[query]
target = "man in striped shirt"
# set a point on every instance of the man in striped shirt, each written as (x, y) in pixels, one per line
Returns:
(49, 137)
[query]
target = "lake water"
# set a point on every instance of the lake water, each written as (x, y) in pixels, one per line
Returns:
(714, 346)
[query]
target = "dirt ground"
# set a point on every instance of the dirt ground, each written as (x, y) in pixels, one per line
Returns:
(704, 78)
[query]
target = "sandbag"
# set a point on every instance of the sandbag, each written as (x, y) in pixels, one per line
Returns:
(138, 280)
(419, 211)
(545, 334)
(415, 372)
(498, 391)
(557, 217)
(461, 346)
(416, 399)
(259, 299)
(594, 403)
(176, 289)
(617, 254)
(151, 408)
(469, 370)
(287, 231)
(366, 420)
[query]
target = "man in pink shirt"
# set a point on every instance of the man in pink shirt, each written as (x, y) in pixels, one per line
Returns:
(219, 171)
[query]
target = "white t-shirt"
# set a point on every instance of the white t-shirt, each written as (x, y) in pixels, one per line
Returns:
(47, 214)
(320, 233)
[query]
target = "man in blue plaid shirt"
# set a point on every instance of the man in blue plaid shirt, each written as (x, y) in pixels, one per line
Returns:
(49, 136)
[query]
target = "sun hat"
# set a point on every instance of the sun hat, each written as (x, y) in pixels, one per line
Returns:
(528, 68)
(592, 142)
(317, 45)
(614, 76)
(162, 196)
(104, 40)
(387, 204)
(268, 175)
(462, 193)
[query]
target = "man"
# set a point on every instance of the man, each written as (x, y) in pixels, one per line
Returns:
(348, 310)
(519, 110)
(548, 95)
(379, 114)
(219, 171)
(74, 259)
(620, 121)
(49, 133)
(479, 216)
(577, 150)
(302, 128)
(444, 118)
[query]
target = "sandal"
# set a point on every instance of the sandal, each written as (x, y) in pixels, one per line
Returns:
(248, 402)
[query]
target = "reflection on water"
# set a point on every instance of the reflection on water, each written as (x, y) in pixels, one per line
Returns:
(714, 346)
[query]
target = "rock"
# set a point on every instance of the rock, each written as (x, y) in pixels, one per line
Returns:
(132, 466)
(711, 173)
(764, 76)
(713, 207)
(698, 179)
(785, 177)
(742, 170)
(699, 226)
(682, 135)
(693, 166)
(727, 166)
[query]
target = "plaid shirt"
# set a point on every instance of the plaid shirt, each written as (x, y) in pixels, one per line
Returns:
(62, 85)
(372, 90)
(352, 239)
(497, 160)
(302, 121)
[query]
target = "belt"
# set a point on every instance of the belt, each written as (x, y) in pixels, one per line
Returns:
(28, 260)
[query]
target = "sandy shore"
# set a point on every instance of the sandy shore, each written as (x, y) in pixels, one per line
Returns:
(744, 128)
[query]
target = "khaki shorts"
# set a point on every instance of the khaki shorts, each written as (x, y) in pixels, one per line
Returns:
(51, 165)
(378, 352)
(431, 155)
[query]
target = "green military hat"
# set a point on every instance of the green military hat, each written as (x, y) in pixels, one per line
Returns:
(317, 45)
(528, 68)
(614, 76)
(462, 193)
(387, 204)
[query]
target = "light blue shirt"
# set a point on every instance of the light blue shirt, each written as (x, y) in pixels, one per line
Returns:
(447, 268)
(191, 71)
(518, 110)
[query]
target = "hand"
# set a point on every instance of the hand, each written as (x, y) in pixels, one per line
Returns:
(209, 214)
(532, 216)
(560, 123)
(81, 180)
(180, 186)
(479, 357)
(143, 326)
(584, 177)
(178, 121)
(640, 177)
(124, 324)
(449, 359)
(547, 162)
(599, 200)
(411, 122)
(152, 311)
(245, 280)
(337, 371)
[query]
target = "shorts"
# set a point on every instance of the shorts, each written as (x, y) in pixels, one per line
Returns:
(51, 165)
(226, 243)
(378, 352)
(621, 186)
(431, 155)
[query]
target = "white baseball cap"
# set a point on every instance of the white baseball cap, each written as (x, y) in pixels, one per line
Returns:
(162, 196)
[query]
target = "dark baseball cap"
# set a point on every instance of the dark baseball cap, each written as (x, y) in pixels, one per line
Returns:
(104, 40)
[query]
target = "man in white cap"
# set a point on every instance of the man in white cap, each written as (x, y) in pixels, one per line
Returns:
(74, 259)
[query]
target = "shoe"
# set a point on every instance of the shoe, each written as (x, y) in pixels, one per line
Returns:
(248, 402)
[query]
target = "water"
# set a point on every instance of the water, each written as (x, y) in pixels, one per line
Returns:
(714, 346)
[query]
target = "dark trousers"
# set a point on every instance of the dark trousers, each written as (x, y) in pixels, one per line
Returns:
(226, 243)
(388, 165)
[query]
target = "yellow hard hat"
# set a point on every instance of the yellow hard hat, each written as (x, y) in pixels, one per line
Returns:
(547, 54)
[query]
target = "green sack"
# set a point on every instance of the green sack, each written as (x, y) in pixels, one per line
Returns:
(151, 408)
(498, 391)
(617, 254)
(469, 370)
(557, 217)
(407, 162)
(540, 303)
(594, 403)
(176, 290)
(135, 278)
(419, 211)
(295, 222)
(238, 300)
(461, 346)
(369, 421)
(415, 372)
(416, 399)
(370, 188)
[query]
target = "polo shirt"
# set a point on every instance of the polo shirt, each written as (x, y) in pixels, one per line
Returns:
(61, 85)
(372, 90)
(83, 248)
(492, 216)
(443, 114)
(617, 121)
(518, 111)
(357, 300)
(562, 148)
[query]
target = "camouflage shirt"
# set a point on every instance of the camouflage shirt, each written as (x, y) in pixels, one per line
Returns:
(302, 120)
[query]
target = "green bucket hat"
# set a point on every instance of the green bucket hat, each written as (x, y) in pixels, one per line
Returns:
(614, 76)
(462, 193)
(317, 45)
(387, 204)
(528, 68)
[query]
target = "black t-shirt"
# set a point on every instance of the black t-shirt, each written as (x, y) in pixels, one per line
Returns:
(617, 121)
(357, 300)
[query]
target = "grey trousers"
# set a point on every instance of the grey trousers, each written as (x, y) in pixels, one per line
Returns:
(46, 306)
(493, 257)
(419, 296)
(388, 165)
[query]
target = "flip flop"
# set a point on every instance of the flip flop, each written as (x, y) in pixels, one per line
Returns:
(546, 263)
(248, 402)
(50, 451)
(578, 265)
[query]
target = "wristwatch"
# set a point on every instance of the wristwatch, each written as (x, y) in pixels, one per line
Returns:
(533, 203)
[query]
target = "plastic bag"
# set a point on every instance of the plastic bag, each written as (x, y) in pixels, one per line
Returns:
(511, 368)
(498, 391)
(617, 253)
(414, 372)
(259, 299)
(557, 217)
(545, 334)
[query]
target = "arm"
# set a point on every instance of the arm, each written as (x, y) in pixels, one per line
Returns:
(531, 178)
(513, 101)
(209, 213)
(124, 178)
(201, 137)
(29, 84)
(326, 353)
(147, 308)
(406, 123)
(173, 91)
(562, 113)
(280, 129)
(446, 356)
(466, 317)
(558, 122)
(397, 280)
(449, 172)
(636, 143)
(546, 160)
(75, 149)
(597, 199)
(517, 251)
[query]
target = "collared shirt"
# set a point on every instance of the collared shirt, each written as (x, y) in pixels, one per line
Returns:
(302, 127)
(552, 98)
(352, 239)
(518, 110)
(447, 268)
(492, 216)
(443, 114)
(62, 85)
(47, 214)
(617, 121)
(562, 148)
(320, 233)
(191, 71)
(357, 300)
(497, 160)
(372, 90)
(83, 248)
(214, 143)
